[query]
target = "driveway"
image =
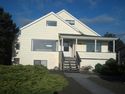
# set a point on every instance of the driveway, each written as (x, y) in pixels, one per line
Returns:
(83, 80)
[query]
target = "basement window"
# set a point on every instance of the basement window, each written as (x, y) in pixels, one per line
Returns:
(18, 46)
(16, 60)
(40, 62)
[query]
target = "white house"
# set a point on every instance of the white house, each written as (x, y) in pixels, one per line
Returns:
(61, 40)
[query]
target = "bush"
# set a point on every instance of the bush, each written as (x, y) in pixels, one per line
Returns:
(109, 68)
(98, 68)
(19, 79)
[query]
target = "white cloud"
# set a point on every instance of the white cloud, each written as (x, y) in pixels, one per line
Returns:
(102, 19)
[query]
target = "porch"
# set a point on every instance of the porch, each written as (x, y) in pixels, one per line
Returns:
(81, 47)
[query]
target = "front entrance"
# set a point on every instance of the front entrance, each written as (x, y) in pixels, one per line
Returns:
(68, 48)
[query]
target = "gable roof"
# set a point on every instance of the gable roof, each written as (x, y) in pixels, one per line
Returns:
(78, 21)
(51, 13)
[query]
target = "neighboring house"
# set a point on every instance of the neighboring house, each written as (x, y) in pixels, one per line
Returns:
(57, 39)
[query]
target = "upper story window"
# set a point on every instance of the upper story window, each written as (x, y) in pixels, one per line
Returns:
(51, 23)
(71, 22)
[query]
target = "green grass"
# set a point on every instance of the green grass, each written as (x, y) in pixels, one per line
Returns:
(19, 79)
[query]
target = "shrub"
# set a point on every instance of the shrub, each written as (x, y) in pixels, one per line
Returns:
(109, 68)
(19, 79)
(98, 68)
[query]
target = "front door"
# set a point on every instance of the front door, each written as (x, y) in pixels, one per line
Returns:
(67, 48)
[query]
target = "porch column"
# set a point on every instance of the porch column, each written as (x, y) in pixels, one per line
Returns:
(62, 44)
(59, 46)
(95, 45)
(113, 46)
(76, 45)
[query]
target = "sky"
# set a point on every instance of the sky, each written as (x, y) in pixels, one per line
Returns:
(100, 15)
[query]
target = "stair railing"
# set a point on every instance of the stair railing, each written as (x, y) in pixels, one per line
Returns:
(78, 59)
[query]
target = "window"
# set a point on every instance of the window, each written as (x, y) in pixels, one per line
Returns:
(51, 23)
(90, 46)
(16, 60)
(18, 46)
(98, 47)
(71, 22)
(40, 62)
(43, 45)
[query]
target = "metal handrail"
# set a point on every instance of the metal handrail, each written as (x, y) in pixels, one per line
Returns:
(78, 59)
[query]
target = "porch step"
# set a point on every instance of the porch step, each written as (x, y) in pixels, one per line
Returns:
(70, 65)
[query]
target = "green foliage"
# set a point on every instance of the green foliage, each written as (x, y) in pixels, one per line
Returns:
(98, 68)
(19, 79)
(110, 68)
(8, 31)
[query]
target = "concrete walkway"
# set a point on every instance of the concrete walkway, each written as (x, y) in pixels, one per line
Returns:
(88, 84)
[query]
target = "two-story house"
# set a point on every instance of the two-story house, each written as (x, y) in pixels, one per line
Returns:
(61, 40)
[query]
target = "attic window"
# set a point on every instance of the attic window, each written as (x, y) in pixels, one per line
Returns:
(71, 22)
(51, 23)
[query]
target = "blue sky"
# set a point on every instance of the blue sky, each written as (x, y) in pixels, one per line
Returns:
(101, 15)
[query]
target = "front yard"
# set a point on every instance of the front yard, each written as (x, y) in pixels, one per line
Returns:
(19, 79)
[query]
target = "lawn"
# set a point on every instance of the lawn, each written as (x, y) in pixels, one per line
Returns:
(19, 79)
(115, 86)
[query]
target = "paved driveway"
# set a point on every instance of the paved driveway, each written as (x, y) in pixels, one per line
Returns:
(88, 84)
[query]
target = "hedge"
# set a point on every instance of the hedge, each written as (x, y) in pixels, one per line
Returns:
(19, 79)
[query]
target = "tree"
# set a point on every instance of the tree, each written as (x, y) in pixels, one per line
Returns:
(119, 42)
(8, 31)
(120, 46)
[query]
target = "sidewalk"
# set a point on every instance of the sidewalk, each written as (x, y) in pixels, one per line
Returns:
(89, 85)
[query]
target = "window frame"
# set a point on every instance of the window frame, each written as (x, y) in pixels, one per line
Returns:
(17, 46)
(71, 22)
(90, 44)
(99, 44)
(16, 60)
(45, 65)
(49, 23)
(54, 49)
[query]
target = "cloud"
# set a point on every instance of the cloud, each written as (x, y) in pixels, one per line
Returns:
(102, 19)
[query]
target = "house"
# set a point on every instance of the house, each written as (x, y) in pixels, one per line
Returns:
(61, 40)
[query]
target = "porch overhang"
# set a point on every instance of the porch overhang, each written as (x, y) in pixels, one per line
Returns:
(85, 37)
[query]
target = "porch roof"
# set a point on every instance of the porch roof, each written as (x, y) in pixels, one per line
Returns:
(85, 37)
